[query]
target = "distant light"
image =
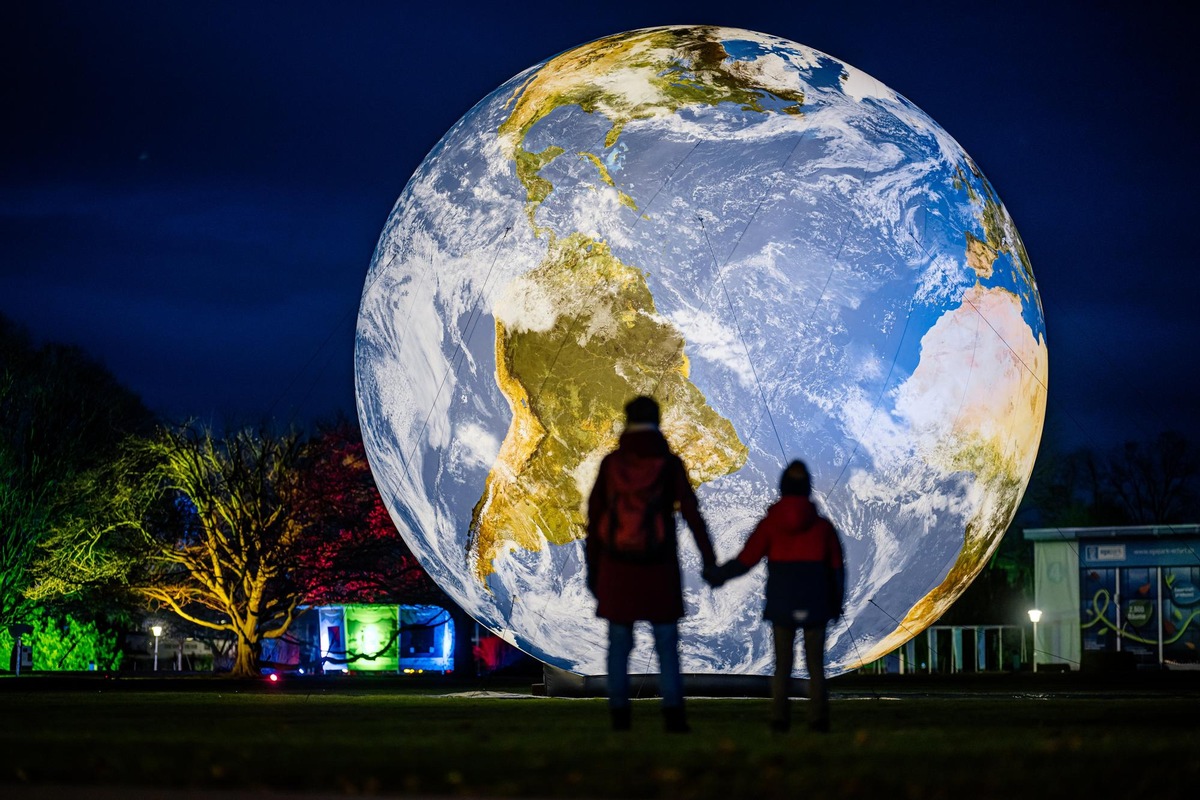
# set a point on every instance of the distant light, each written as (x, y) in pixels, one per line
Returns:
(273, 678)
(156, 630)
(1034, 615)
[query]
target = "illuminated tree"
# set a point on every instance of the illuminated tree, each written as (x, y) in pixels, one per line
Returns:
(22, 511)
(62, 415)
(233, 533)
(354, 553)
(63, 642)
(223, 518)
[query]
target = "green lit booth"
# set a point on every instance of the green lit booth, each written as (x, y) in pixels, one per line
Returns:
(377, 638)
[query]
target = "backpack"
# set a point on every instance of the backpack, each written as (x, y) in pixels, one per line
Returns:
(639, 515)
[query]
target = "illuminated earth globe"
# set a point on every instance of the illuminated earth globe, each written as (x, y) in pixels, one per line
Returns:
(791, 257)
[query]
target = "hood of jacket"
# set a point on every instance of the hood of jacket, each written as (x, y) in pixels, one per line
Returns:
(643, 443)
(797, 514)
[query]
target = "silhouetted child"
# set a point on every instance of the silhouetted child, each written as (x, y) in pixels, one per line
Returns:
(806, 586)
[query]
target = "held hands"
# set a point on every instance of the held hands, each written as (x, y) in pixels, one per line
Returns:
(713, 576)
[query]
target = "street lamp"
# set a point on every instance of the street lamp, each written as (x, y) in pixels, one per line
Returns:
(1034, 616)
(157, 631)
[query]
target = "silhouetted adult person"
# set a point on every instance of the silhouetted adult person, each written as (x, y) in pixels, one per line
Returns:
(632, 556)
(806, 586)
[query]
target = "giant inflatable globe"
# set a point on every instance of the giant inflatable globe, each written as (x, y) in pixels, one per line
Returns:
(791, 257)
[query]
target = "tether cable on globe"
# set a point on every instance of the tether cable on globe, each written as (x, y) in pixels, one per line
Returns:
(408, 316)
(720, 268)
(874, 410)
(854, 643)
(899, 622)
(453, 366)
(808, 322)
(745, 348)
(878, 399)
(754, 214)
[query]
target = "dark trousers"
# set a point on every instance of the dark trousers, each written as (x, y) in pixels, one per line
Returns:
(814, 659)
(666, 644)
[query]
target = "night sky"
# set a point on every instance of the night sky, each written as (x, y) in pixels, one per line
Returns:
(193, 191)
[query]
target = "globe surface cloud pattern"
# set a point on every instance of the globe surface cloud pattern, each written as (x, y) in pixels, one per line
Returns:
(794, 259)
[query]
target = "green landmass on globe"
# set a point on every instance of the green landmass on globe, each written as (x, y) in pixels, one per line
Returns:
(613, 345)
(682, 67)
(567, 385)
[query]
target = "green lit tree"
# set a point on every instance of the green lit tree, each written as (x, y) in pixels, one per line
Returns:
(22, 510)
(62, 642)
(62, 416)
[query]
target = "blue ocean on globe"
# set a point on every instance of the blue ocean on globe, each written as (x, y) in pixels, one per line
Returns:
(791, 257)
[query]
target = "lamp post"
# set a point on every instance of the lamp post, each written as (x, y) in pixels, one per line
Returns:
(17, 631)
(1034, 616)
(157, 631)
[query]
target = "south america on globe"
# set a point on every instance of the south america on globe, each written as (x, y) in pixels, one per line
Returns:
(791, 257)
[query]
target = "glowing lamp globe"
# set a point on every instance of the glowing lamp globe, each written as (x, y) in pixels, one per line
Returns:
(790, 256)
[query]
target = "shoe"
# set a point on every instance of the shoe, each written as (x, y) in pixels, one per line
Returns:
(674, 721)
(622, 718)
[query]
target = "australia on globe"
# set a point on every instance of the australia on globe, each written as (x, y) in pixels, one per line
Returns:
(791, 257)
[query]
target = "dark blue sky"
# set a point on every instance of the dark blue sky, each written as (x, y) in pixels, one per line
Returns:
(193, 192)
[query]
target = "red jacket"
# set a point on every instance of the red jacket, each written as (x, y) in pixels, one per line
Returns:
(628, 591)
(806, 579)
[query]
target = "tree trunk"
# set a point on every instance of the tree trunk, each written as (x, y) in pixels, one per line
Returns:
(245, 665)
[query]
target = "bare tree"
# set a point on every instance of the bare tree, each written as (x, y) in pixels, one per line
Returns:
(1154, 483)
(224, 562)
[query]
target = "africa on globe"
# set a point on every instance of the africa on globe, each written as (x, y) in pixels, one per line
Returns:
(792, 258)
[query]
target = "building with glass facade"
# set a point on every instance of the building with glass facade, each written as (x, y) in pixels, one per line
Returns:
(1123, 596)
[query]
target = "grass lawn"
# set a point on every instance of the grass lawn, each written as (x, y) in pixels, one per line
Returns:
(391, 739)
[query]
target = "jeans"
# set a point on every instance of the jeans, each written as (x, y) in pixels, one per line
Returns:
(814, 659)
(666, 643)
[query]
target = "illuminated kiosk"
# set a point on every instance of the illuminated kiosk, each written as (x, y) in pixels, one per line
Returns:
(361, 637)
(1117, 597)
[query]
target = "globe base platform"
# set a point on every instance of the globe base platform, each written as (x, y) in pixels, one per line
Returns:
(561, 683)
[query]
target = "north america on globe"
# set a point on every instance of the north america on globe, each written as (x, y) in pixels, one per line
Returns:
(792, 258)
